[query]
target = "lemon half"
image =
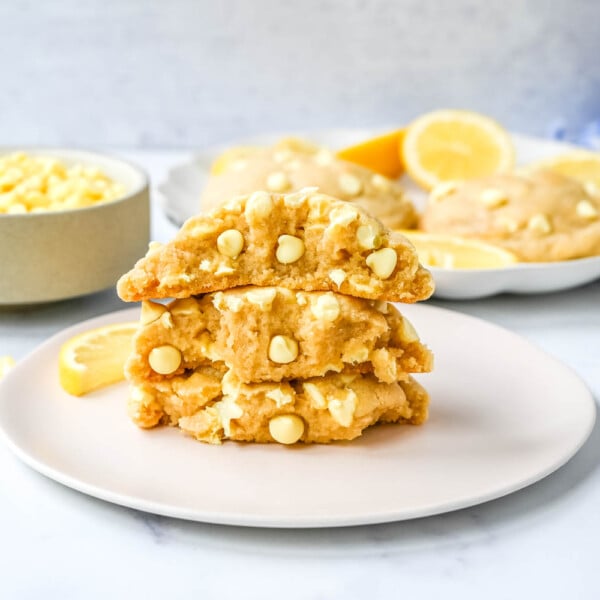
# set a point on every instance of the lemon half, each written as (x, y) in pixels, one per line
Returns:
(448, 145)
(581, 165)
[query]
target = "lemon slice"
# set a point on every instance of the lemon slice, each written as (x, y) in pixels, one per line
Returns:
(95, 358)
(448, 145)
(580, 165)
(380, 154)
(452, 252)
(6, 364)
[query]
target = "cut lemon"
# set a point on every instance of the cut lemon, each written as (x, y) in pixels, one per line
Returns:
(95, 358)
(448, 145)
(581, 165)
(6, 364)
(451, 252)
(380, 154)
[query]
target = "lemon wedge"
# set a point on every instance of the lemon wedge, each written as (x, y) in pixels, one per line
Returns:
(380, 154)
(448, 145)
(581, 165)
(95, 358)
(452, 252)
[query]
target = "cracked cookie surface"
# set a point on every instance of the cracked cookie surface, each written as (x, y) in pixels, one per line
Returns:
(270, 334)
(303, 241)
(212, 406)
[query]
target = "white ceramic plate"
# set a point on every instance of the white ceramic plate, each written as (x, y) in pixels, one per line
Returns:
(181, 194)
(503, 415)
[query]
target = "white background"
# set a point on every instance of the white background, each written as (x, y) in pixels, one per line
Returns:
(189, 73)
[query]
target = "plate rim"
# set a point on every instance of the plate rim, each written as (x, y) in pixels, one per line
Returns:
(276, 522)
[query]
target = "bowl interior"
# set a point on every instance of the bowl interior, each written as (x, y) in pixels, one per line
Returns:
(131, 177)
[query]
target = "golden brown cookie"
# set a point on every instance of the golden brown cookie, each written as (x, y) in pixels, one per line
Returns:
(293, 164)
(540, 216)
(304, 240)
(211, 406)
(270, 334)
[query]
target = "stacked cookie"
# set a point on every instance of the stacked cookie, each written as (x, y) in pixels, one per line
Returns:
(280, 328)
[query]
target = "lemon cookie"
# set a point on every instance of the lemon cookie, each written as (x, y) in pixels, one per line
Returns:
(293, 164)
(211, 407)
(303, 240)
(539, 216)
(270, 334)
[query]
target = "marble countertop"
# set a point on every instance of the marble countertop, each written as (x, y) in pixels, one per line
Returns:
(541, 542)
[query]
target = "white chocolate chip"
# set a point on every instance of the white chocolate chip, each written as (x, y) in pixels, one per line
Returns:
(229, 384)
(238, 165)
(369, 236)
(591, 188)
(289, 249)
(381, 306)
(286, 429)
(202, 230)
(233, 205)
(408, 334)
(224, 270)
(282, 156)
(338, 276)
(262, 297)
(280, 397)
(151, 311)
(384, 364)
(295, 199)
(326, 308)
(283, 349)
(357, 354)
(586, 210)
(166, 320)
(441, 190)
(278, 182)
(509, 225)
(493, 198)
(324, 158)
(205, 265)
(227, 410)
(380, 182)
(301, 299)
(293, 165)
(164, 359)
(224, 302)
(208, 348)
(153, 247)
(343, 215)
(314, 394)
(259, 205)
(342, 410)
(382, 262)
(184, 306)
(230, 243)
(539, 224)
(350, 184)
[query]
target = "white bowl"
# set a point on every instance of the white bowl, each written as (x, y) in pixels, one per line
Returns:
(48, 256)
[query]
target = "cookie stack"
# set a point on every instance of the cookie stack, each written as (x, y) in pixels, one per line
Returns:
(280, 328)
